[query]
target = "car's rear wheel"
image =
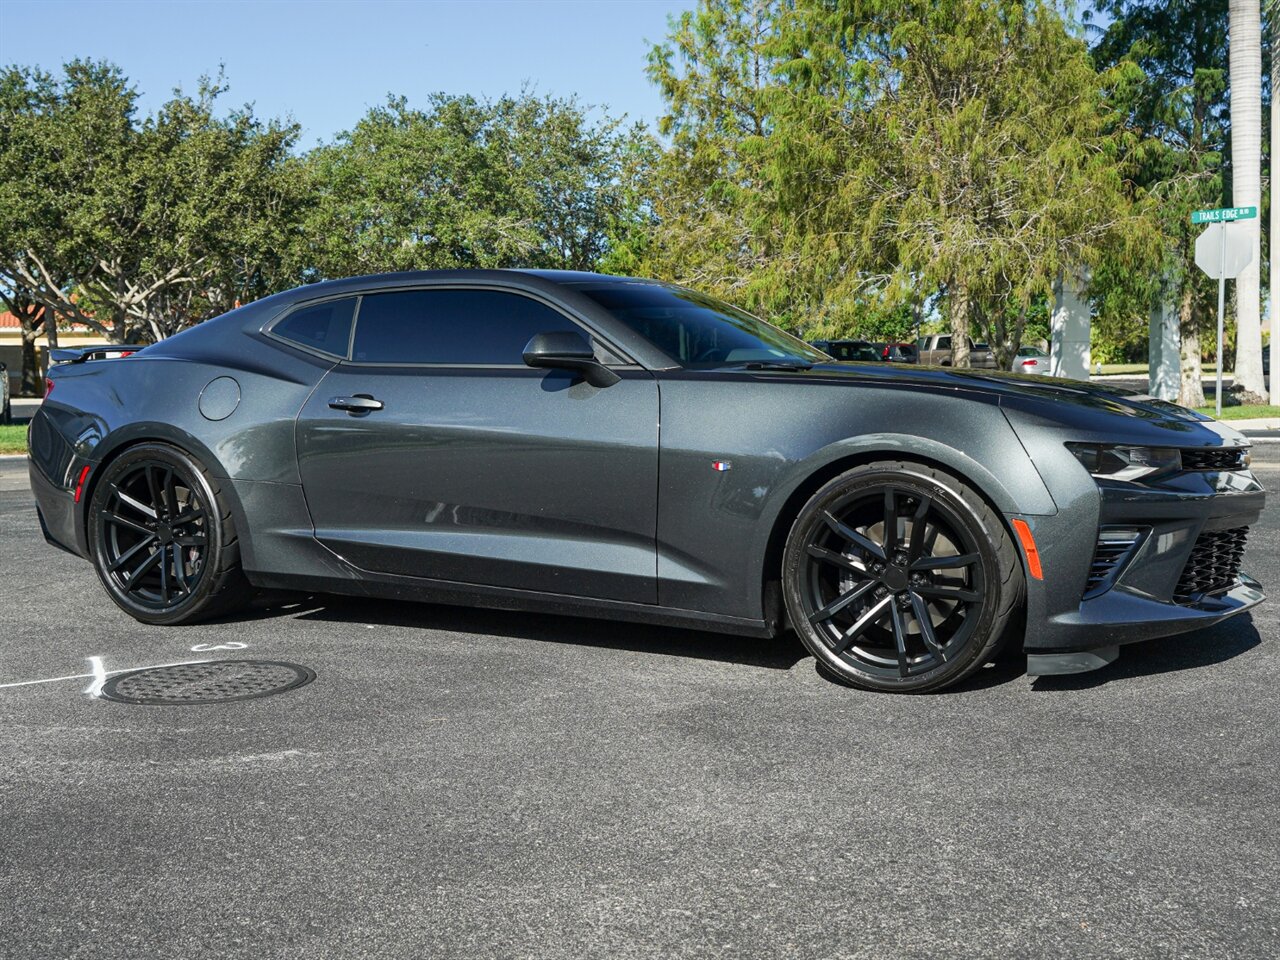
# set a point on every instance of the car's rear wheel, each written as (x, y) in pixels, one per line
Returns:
(900, 577)
(163, 539)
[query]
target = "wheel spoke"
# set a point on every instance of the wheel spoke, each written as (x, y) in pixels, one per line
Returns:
(124, 522)
(189, 517)
(871, 615)
(195, 540)
(157, 501)
(944, 591)
(842, 601)
(921, 611)
(170, 495)
(143, 567)
(900, 636)
(164, 574)
(136, 504)
(837, 559)
(918, 528)
(132, 552)
(853, 536)
(178, 573)
(945, 563)
(890, 535)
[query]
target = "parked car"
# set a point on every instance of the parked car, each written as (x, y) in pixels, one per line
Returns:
(935, 350)
(6, 405)
(1030, 360)
(848, 349)
(492, 438)
(897, 352)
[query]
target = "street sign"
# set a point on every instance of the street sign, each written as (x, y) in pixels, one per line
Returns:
(1223, 214)
(1225, 249)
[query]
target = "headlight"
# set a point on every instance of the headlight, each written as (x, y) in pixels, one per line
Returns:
(1107, 462)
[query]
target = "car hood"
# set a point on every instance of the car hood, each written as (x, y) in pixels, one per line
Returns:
(1092, 408)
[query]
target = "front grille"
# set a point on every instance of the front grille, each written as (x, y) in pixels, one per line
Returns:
(1214, 458)
(1214, 564)
(1112, 551)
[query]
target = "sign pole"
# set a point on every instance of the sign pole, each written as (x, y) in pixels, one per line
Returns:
(1222, 297)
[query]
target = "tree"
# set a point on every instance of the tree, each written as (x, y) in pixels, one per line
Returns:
(834, 159)
(522, 181)
(136, 229)
(1175, 105)
(1246, 185)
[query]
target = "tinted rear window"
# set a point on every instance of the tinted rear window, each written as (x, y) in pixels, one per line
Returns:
(325, 327)
(451, 326)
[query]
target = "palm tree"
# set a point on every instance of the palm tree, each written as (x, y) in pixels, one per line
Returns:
(1273, 288)
(1246, 180)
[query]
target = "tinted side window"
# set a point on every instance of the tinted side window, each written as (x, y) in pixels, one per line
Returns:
(944, 343)
(451, 326)
(326, 326)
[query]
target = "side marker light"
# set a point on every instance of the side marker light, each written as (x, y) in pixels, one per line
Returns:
(1029, 548)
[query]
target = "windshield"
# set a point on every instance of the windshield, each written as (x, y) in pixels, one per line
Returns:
(1031, 352)
(699, 331)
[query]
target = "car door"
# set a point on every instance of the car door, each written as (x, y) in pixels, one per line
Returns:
(434, 452)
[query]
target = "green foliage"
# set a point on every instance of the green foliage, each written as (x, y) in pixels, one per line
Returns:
(1171, 56)
(526, 181)
(137, 228)
(832, 161)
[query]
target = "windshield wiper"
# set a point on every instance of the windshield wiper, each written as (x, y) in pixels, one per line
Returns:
(775, 365)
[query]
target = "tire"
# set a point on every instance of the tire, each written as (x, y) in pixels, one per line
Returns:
(157, 566)
(860, 600)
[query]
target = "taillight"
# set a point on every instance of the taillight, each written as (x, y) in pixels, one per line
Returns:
(84, 475)
(1028, 363)
(48, 386)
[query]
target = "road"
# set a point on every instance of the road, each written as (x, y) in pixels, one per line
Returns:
(459, 783)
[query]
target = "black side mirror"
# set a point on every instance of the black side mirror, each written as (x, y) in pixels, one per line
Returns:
(569, 350)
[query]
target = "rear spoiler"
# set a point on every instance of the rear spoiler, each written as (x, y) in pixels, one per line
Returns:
(105, 352)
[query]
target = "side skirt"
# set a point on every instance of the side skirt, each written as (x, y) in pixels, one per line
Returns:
(501, 598)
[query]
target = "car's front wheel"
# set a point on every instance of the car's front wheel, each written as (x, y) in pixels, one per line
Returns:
(900, 577)
(163, 540)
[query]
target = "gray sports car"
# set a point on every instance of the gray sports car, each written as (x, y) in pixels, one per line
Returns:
(626, 448)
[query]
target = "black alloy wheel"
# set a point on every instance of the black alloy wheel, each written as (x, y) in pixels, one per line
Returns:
(899, 577)
(162, 540)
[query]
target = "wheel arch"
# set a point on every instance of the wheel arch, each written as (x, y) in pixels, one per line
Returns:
(115, 445)
(926, 453)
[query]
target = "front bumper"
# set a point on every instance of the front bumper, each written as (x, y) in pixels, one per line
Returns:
(1074, 626)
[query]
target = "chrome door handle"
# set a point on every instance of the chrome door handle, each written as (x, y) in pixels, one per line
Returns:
(360, 403)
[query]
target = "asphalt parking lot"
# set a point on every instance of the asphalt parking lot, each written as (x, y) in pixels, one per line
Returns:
(460, 783)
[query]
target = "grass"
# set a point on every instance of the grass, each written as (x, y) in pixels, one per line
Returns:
(1246, 411)
(13, 438)
(1129, 369)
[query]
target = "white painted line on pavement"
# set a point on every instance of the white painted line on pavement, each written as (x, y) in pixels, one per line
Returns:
(106, 673)
(99, 677)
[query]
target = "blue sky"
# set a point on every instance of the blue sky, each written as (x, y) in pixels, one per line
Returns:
(326, 61)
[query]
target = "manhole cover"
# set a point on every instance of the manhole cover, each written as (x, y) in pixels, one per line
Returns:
(217, 681)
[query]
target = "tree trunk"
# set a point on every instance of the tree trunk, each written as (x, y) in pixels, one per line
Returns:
(1246, 184)
(1191, 389)
(31, 385)
(959, 325)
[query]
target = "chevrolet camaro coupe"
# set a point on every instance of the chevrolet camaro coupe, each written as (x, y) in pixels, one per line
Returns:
(625, 448)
